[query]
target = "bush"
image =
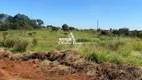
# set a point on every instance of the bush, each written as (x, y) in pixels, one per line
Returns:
(134, 33)
(103, 57)
(114, 45)
(104, 32)
(4, 27)
(34, 42)
(140, 35)
(83, 40)
(71, 28)
(49, 26)
(30, 34)
(21, 46)
(55, 28)
(34, 33)
(65, 33)
(137, 46)
(8, 43)
(93, 57)
(98, 57)
(124, 31)
(115, 32)
(4, 34)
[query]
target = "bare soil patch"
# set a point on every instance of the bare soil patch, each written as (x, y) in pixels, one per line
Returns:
(57, 65)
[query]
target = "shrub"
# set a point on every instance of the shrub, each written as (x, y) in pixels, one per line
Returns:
(140, 35)
(34, 33)
(98, 57)
(21, 46)
(114, 45)
(93, 57)
(55, 28)
(114, 58)
(124, 31)
(98, 29)
(30, 34)
(111, 44)
(1, 43)
(4, 27)
(137, 46)
(134, 33)
(4, 34)
(71, 28)
(8, 43)
(83, 40)
(103, 57)
(115, 32)
(34, 42)
(65, 33)
(104, 32)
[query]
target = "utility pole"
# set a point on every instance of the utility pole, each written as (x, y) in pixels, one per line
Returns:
(97, 24)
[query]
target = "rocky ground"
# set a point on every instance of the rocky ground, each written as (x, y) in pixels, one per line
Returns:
(57, 65)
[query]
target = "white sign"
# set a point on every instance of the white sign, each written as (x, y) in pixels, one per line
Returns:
(68, 40)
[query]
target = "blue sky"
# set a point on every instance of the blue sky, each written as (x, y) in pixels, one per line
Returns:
(79, 13)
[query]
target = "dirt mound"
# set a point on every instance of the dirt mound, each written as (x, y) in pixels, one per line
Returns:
(57, 65)
(20, 70)
(36, 66)
(121, 72)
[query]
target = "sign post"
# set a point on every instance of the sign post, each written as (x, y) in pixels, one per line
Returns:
(68, 40)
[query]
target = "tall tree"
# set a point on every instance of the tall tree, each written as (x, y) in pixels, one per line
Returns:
(20, 17)
(19, 21)
(40, 22)
(71, 28)
(65, 27)
(3, 17)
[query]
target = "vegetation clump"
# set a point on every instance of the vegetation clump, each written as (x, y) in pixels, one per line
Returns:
(8, 43)
(21, 45)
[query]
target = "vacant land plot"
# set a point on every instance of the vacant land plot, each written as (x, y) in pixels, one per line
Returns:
(96, 47)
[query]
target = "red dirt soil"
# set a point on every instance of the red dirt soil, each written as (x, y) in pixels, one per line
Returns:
(24, 70)
(56, 65)
(28, 70)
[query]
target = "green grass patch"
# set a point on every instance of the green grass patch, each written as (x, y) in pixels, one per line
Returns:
(99, 48)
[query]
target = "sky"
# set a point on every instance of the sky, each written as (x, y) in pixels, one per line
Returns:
(82, 14)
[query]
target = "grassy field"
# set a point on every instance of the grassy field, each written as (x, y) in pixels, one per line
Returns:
(96, 47)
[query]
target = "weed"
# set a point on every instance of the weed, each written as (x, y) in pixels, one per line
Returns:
(83, 40)
(8, 43)
(34, 42)
(21, 45)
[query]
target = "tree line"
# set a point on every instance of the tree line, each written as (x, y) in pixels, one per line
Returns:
(121, 32)
(19, 21)
(64, 27)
